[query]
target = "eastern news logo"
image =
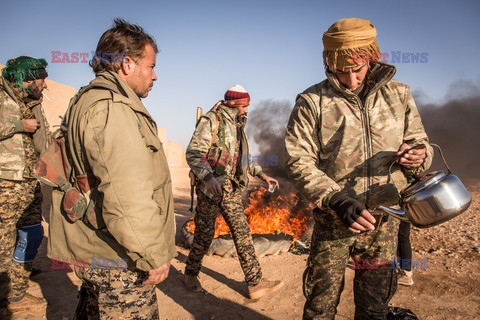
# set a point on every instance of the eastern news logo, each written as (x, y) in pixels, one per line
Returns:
(243, 160)
(83, 57)
(392, 57)
(395, 57)
(393, 263)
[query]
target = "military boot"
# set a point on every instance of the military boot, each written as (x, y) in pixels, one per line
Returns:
(264, 287)
(28, 302)
(192, 283)
(405, 278)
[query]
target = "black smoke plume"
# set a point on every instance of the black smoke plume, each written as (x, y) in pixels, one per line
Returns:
(266, 125)
(454, 126)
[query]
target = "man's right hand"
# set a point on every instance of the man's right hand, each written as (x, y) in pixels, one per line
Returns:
(352, 212)
(155, 276)
(213, 186)
(30, 125)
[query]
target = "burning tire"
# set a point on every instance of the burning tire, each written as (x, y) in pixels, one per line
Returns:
(265, 244)
(279, 223)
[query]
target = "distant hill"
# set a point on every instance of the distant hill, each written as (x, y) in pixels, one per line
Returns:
(55, 103)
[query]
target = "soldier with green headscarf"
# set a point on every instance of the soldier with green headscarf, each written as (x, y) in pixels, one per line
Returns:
(24, 135)
(342, 136)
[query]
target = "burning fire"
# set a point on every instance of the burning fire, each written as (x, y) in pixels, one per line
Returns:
(269, 214)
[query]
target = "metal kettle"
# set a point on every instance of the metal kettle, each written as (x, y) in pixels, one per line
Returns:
(432, 198)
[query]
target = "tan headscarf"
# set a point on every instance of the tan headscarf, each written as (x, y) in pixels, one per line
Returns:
(349, 43)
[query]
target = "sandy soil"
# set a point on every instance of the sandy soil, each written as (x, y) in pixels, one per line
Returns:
(448, 289)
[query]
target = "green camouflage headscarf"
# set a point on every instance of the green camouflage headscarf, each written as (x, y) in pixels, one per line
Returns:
(24, 68)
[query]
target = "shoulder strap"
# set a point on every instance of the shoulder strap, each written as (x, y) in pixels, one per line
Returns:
(89, 87)
(193, 178)
(218, 117)
(75, 113)
(81, 92)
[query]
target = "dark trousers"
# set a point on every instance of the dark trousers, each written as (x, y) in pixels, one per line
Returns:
(404, 246)
(375, 280)
(230, 207)
(20, 206)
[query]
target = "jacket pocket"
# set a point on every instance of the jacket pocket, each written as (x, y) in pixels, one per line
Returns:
(160, 198)
(214, 158)
(152, 142)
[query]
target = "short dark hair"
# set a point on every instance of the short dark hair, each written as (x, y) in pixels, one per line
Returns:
(122, 40)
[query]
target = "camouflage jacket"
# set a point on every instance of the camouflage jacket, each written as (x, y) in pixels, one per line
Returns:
(227, 156)
(337, 141)
(112, 136)
(13, 153)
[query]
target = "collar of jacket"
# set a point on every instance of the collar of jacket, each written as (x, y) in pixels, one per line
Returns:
(30, 103)
(122, 91)
(229, 113)
(12, 92)
(382, 73)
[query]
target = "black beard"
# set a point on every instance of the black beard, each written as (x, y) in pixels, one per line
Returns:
(33, 92)
(242, 120)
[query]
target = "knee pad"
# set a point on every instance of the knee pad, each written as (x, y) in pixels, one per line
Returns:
(29, 239)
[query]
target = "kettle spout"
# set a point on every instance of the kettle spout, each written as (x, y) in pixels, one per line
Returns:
(399, 214)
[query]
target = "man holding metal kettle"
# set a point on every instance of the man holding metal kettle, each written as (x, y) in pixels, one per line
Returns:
(342, 137)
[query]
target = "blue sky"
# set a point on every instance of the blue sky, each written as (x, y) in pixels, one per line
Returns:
(272, 48)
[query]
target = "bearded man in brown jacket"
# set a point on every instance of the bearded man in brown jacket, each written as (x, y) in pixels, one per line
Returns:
(113, 139)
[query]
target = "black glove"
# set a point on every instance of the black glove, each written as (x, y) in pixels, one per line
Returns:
(347, 208)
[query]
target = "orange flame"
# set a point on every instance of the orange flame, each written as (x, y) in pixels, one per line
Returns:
(269, 214)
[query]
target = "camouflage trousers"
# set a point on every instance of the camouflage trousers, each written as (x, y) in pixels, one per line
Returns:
(114, 294)
(230, 206)
(375, 279)
(20, 206)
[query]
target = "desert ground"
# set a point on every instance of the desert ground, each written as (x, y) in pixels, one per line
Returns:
(448, 289)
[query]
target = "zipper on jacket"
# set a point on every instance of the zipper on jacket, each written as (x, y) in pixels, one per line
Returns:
(366, 128)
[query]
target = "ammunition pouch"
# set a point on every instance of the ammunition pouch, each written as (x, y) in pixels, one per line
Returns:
(214, 159)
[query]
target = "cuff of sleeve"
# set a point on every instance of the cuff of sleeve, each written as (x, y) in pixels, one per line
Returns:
(18, 126)
(414, 171)
(326, 200)
(208, 177)
(144, 264)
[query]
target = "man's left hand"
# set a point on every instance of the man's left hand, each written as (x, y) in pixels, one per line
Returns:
(411, 157)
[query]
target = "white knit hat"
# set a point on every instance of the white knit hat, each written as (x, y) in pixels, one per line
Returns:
(237, 96)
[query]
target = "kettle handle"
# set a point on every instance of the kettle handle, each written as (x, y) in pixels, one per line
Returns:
(419, 146)
(443, 158)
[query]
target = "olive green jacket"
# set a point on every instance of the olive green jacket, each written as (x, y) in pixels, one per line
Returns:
(12, 149)
(217, 158)
(115, 139)
(335, 141)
